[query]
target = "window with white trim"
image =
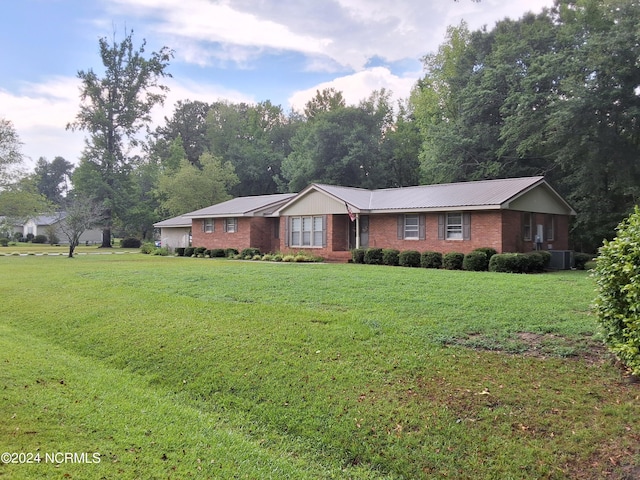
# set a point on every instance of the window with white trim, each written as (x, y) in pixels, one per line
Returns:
(411, 227)
(307, 231)
(208, 225)
(551, 227)
(231, 225)
(453, 226)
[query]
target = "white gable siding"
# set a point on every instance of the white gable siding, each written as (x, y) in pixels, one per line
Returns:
(539, 200)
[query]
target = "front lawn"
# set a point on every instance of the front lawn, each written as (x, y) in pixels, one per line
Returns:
(205, 368)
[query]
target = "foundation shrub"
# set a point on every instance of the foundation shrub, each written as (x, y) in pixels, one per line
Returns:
(580, 260)
(475, 261)
(409, 258)
(430, 259)
(217, 253)
(357, 255)
(390, 256)
(453, 260)
(189, 251)
(373, 256)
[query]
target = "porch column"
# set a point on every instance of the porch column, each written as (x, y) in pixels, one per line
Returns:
(357, 230)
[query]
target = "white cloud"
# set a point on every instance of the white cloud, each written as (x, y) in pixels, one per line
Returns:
(359, 86)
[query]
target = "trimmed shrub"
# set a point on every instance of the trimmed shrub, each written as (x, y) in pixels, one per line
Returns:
(489, 252)
(476, 261)
(249, 253)
(217, 253)
(534, 263)
(357, 255)
(40, 239)
(390, 256)
(431, 259)
(130, 242)
(617, 276)
(580, 260)
(409, 258)
(453, 260)
(506, 263)
(199, 251)
(179, 251)
(161, 251)
(373, 256)
(4, 242)
(230, 252)
(189, 251)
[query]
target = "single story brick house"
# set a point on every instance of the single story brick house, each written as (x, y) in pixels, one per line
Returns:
(509, 215)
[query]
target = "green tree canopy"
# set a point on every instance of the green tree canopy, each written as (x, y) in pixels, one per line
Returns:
(113, 109)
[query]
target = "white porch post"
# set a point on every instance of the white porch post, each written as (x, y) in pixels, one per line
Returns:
(357, 230)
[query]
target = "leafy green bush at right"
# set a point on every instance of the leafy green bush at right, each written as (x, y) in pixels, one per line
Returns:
(617, 304)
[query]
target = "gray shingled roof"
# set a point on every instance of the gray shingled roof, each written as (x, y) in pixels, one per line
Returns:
(179, 221)
(243, 206)
(486, 193)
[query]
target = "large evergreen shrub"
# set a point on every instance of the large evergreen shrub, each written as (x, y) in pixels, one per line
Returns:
(357, 255)
(617, 304)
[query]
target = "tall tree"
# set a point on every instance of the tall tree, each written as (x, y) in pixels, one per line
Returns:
(113, 110)
(254, 139)
(10, 156)
(52, 178)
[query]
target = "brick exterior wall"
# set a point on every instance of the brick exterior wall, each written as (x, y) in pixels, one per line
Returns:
(255, 232)
(498, 229)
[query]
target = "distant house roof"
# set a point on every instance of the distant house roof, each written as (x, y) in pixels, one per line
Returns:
(260, 205)
(46, 220)
(175, 222)
(486, 194)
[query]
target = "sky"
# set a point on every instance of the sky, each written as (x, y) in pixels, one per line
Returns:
(235, 50)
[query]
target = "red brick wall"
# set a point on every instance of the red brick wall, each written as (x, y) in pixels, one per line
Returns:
(256, 232)
(499, 229)
(486, 231)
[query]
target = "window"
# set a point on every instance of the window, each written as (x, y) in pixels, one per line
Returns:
(551, 224)
(411, 227)
(307, 231)
(527, 229)
(208, 225)
(231, 225)
(454, 226)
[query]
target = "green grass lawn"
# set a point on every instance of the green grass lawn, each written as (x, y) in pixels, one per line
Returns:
(202, 368)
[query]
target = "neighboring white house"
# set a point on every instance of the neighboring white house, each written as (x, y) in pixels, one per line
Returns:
(175, 232)
(51, 224)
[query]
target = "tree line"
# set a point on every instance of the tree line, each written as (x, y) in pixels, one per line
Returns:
(555, 94)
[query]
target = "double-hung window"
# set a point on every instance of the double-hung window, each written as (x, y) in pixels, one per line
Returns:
(551, 224)
(454, 226)
(208, 225)
(307, 231)
(411, 227)
(231, 225)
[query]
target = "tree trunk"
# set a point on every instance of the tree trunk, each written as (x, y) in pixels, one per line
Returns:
(106, 237)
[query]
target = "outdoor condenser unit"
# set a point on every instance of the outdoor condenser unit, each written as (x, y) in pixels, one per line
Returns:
(561, 259)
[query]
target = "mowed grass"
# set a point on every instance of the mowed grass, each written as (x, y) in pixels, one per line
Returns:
(194, 368)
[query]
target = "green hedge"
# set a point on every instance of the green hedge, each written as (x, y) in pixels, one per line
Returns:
(357, 255)
(409, 258)
(475, 261)
(373, 256)
(391, 256)
(431, 259)
(453, 260)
